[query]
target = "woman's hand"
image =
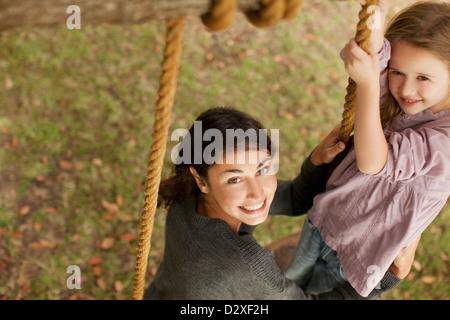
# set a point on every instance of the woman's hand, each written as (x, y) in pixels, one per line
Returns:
(402, 264)
(328, 149)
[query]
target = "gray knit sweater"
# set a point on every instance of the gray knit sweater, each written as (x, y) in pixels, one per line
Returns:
(205, 259)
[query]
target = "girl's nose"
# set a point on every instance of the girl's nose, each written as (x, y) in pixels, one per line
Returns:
(407, 88)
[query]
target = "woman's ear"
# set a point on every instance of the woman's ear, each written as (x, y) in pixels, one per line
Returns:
(202, 185)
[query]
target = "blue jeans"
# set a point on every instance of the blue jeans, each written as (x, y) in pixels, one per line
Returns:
(315, 267)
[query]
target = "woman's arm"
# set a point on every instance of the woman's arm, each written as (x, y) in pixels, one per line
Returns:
(294, 197)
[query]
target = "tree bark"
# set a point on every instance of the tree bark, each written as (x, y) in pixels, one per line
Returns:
(53, 13)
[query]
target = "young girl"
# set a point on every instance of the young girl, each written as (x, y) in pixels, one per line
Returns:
(214, 207)
(396, 178)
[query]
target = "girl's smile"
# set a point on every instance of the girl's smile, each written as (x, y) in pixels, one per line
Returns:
(418, 80)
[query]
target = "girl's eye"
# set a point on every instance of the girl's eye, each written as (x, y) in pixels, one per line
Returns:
(233, 180)
(398, 73)
(422, 78)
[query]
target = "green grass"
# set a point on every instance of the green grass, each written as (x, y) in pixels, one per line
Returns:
(87, 97)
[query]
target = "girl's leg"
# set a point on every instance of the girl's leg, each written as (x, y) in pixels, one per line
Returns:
(327, 274)
(308, 250)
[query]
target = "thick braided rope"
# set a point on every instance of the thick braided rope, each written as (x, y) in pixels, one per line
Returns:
(166, 95)
(362, 37)
(272, 11)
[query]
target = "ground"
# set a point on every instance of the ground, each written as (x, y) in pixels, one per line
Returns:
(75, 132)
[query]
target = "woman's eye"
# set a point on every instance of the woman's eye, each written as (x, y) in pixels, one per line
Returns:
(263, 171)
(233, 180)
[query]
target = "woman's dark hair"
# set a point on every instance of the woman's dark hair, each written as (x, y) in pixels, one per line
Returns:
(181, 183)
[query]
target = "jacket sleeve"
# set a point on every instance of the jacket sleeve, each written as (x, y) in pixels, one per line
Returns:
(295, 197)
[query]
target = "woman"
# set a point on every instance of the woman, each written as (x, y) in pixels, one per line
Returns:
(214, 207)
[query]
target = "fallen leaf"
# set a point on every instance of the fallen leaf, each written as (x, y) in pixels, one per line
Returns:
(17, 234)
(24, 210)
(40, 178)
(138, 188)
(290, 116)
(311, 37)
(35, 245)
(48, 244)
(97, 271)
(132, 143)
(107, 243)
(119, 200)
(334, 76)
(127, 236)
(9, 83)
(65, 165)
(101, 283)
(108, 216)
(310, 89)
(118, 285)
(97, 162)
(14, 142)
(417, 265)
(50, 210)
(124, 217)
(37, 226)
(95, 260)
(428, 279)
(410, 276)
(110, 206)
(277, 59)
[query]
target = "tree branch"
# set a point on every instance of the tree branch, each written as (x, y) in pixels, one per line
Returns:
(52, 13)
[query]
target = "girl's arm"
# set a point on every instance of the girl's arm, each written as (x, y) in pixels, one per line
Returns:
(377, 35)
(370, 143)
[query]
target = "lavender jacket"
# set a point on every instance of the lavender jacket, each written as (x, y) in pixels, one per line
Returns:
(366, 218)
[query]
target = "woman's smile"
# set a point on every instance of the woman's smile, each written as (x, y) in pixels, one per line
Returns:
(254, 209)
(240, 193)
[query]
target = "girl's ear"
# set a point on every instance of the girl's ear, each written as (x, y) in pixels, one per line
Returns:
(202, 185)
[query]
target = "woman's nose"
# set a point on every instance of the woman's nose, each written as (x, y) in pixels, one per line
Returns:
(255, 190)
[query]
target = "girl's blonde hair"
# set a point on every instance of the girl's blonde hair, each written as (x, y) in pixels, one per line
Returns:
(425, 25)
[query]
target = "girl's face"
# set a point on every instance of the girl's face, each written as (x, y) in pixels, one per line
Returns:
(240, 192)
(418, 80)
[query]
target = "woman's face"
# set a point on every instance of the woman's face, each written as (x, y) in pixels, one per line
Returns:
(240, 192)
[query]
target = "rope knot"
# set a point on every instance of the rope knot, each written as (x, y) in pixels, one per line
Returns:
(221, 14)
(272, 11)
